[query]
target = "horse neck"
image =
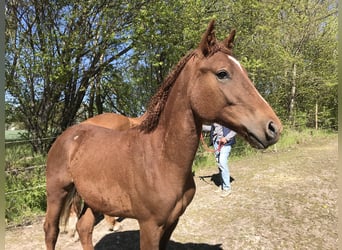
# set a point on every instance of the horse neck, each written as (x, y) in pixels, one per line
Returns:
(178, 127)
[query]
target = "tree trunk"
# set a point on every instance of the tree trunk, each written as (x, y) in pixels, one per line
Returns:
(293, 95)
(316, 116)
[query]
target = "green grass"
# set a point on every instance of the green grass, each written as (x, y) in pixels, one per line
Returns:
(292, 138)
(289, 139)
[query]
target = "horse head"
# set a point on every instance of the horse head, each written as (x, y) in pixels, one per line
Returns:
(222, 92)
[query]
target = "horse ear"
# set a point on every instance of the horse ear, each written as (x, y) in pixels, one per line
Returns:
(229, 41)
(208, 39)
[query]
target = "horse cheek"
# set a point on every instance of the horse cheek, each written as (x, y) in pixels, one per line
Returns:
(206, 102)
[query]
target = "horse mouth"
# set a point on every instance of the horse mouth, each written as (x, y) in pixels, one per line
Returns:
(255, 141)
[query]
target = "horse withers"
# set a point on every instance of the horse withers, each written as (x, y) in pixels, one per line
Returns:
(145, 172)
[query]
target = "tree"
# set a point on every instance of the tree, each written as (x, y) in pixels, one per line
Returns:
(310, 44)
(54, 52)
(290, 51)
(165, 32)
(67, 60)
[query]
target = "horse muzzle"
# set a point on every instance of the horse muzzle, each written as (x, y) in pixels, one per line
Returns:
(266, 138)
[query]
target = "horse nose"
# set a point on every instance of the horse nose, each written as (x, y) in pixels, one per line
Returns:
(272, 131)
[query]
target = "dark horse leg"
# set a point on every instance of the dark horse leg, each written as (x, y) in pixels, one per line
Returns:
(85, 226)
(167, 235)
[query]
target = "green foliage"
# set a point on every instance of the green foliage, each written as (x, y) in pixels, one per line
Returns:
(25, 183)
(74, 60)
(24, 195)
(203, 159)
(160, 40)
(272, 37)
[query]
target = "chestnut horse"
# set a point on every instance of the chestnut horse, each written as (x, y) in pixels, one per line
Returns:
(145, 172)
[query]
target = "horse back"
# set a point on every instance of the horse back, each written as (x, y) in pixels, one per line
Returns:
(115, 121)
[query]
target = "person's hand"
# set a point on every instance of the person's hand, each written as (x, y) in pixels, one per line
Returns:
(223, 140)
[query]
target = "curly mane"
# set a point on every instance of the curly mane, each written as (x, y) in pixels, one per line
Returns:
(157, 102)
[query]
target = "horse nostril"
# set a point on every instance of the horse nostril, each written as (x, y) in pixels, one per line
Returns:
(272, 131)
(272, 127)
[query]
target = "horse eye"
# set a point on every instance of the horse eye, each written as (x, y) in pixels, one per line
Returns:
(222, 75)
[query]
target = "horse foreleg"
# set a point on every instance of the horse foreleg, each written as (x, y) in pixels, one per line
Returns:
(167, 235)
(150, 235)
(85, 226)
(55, 202)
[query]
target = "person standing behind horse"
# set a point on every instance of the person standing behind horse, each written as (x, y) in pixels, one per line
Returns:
(223, 139)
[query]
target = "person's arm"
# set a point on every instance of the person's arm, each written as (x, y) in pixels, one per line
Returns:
(230, 135)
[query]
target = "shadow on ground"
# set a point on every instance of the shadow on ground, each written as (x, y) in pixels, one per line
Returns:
(215, 178)
(130, 240)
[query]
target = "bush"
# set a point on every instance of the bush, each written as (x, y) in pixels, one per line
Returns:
(25, 182)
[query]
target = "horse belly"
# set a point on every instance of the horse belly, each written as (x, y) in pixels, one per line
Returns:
(111, 200)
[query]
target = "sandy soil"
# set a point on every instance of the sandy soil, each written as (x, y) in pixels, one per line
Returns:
(282, 200)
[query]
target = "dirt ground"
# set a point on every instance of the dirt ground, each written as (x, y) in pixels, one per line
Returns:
(279, 200)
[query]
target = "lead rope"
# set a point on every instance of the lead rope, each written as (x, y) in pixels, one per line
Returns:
(206, 148)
